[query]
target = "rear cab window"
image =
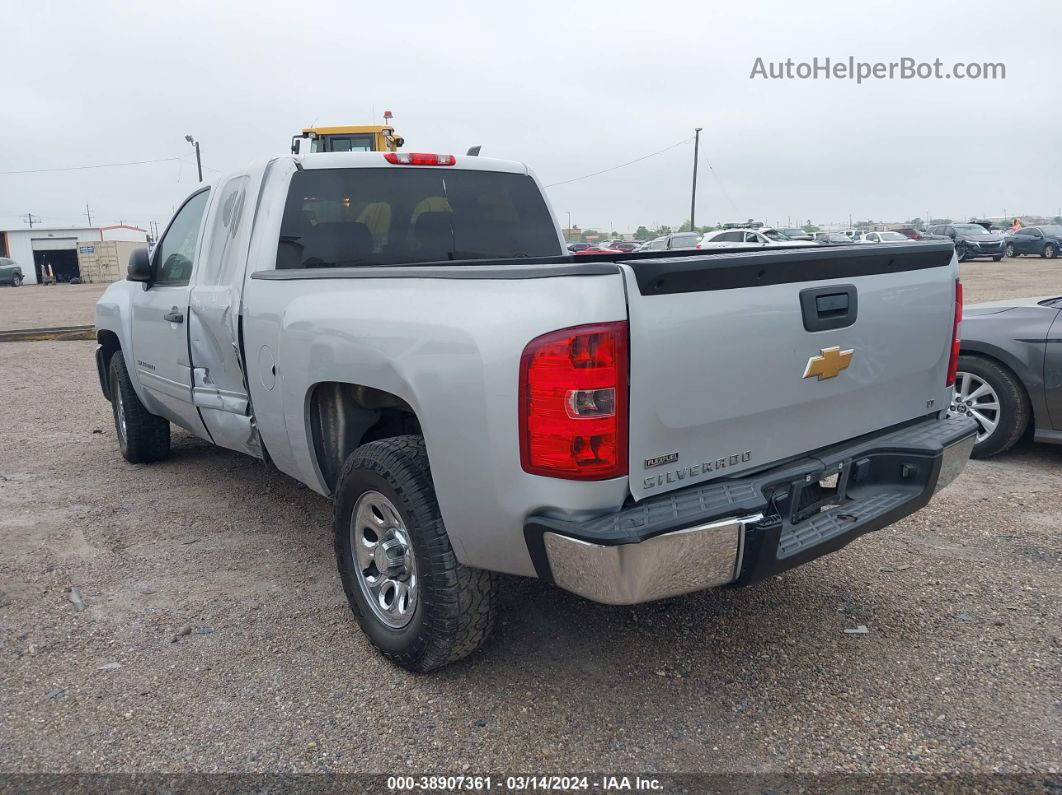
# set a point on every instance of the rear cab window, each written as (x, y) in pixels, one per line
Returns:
(349, 217)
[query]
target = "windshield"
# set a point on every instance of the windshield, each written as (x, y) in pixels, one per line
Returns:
(773, 234)
(971, 229)
(386, 216)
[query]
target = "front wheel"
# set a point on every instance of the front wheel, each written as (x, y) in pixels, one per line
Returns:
(416, 603)
(142, 436)
(16, 280)
(997, 259)
(992, 396)
(1050, 251)
(960, 252)
(1011, 251)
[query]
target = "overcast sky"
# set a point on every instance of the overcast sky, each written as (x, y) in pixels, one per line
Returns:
(568, 88)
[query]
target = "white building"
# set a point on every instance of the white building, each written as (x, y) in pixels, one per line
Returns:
(57, 247)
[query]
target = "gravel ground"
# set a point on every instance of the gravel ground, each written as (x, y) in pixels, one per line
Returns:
(959, 669)
(37, 306)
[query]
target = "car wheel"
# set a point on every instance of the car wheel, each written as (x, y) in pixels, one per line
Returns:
(1050, 251)
(993, 397)
(1011, 251)
(997, 259)
(416, 603)
(142, 436)
(960, 252)
(16, 280)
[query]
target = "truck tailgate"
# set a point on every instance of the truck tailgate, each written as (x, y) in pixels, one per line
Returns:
(731, 370)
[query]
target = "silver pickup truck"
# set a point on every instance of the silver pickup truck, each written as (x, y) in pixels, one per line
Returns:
(406, 334)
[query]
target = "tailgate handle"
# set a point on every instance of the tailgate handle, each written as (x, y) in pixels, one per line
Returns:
(826, 308)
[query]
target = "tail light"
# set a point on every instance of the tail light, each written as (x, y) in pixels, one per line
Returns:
(419, 159)
(573, 403)
(953, 362)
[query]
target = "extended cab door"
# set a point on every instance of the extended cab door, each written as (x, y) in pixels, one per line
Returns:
(219, 386)
(160, 331)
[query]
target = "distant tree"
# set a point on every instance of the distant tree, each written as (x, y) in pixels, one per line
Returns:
(591, 235)
(916, 223)
(685, 226)
(810, 228)
(662, 230)
(1057, 220)
(706, 229)
(641, 233)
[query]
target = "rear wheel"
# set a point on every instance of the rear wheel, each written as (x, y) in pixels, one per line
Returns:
(997, 259)
(416, 603)
(991, 395)
(1050, 251)
(142, 436)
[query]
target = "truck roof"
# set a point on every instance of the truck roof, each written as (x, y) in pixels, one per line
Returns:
(376, 160)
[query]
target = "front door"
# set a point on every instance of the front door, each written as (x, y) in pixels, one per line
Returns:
(160, 313)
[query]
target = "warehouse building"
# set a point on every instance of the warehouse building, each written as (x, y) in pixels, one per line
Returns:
(40, 250)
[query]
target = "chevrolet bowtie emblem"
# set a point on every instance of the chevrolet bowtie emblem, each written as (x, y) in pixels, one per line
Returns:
(829, 363)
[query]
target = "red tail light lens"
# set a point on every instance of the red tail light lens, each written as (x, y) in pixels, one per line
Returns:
(953, 362)
(419, 159)
(573, 403)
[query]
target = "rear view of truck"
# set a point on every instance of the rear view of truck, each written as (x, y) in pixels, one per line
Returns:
(780, 404)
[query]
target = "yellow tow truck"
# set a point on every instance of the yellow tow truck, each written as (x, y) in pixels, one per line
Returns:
(358, 138)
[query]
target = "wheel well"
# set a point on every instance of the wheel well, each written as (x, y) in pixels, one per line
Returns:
(109, 345)
(345, 416)
(108, 340)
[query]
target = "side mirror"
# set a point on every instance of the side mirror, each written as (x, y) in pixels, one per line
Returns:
(139, 269)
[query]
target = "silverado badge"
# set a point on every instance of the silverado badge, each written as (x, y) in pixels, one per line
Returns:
(829, 363)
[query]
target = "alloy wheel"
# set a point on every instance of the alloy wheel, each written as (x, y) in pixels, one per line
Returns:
(975, 398)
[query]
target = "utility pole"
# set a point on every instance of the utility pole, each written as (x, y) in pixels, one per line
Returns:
(198, 160)
(569, 235)
(31, 219)
(693, 197)
(88, 214)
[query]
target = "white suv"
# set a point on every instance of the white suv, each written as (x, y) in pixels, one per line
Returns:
(735, 238)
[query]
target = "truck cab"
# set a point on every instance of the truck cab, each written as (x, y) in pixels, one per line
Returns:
(357, 138)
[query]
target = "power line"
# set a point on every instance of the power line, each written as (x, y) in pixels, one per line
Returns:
(99, 165)
(622, 165)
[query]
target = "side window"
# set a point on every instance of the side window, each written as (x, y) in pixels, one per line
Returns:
(1035, 233)
(175, 253)
(752, 237)
(949, 230)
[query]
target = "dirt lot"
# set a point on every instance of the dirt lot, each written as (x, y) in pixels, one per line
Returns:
(959, 670)
(36, 306)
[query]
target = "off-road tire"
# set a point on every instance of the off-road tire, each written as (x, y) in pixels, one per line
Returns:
(146, 437)
(456, 606)
(1014, 411)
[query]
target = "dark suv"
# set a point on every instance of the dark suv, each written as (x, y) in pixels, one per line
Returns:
(971, 240)
(1045, 241)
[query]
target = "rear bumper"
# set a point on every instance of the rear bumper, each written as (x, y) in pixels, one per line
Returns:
(739, 531)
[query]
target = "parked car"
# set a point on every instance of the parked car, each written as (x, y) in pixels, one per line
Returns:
(10, 272)
(373, 325)
(740, 238)
(1045, 241)
(909, 231)
(971, 240)
(625, 246)
(796, 233)
(575, 248)
(598, 250)
(884, 237)
(676, 240)
(1008, 377)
